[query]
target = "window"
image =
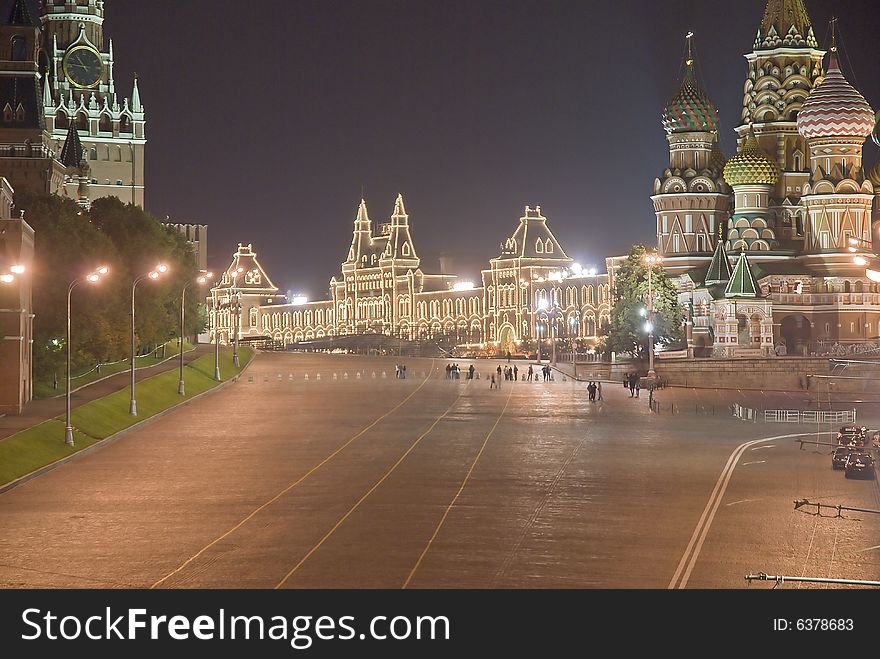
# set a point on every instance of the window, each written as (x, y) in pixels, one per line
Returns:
(549, 248)
(405, 249)
(539, 246)
(93, 153)
(676, 243)
(702, 243)
(824, 240)
(828, 329)
(665, 224)
(852, 328)
(688, 223)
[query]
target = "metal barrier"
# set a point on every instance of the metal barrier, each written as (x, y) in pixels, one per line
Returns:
(810, 416)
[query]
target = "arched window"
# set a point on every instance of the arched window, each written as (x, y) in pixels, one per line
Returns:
(19, 49)
(846, 287)
(539, 246)
(548, 247)
(93, 153)
(125, 124)
(405, 249)
(61, 120)
(82, 121)
(105, 125)
(253, 317)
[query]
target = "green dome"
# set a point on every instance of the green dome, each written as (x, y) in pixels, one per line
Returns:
(751, 166)
(874, 175)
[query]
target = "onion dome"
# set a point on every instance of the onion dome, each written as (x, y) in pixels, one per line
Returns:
(874, 175)
(751, 166)
(876, 134)
(717, 159)
(835, 108)
(690, 111)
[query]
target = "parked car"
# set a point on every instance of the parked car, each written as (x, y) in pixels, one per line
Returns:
(838, 458)
(860, 464)
(851, 436)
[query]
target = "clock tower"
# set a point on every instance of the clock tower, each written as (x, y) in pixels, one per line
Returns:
(78, 87)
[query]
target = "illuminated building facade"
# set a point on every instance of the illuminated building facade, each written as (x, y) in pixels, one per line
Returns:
(531, 290)
(795, 203)
(57, 77)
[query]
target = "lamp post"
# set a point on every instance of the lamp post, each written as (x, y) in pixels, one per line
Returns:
(152, 275)
(542, 312)
(181, 387)
(215, 305)
(651, 260)
(92, 278)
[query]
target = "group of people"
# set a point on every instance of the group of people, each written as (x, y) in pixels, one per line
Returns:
(400, 371)
(632, 381)
(595, 391)
(453, 372)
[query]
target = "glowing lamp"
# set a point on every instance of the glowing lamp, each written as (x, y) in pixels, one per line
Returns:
(17, 269)
(7, 278)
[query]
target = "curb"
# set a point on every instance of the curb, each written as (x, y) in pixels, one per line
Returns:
(21, 480)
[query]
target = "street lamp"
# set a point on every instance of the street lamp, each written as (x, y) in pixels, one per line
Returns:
(201, 280)
(651, 260)
(92, 278)
(153, 275)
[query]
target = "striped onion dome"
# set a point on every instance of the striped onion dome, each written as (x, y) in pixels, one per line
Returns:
(751, 166)
(690, 111)
(876, 134)
(835, 108)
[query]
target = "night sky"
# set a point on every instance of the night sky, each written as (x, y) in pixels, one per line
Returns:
(265, 119)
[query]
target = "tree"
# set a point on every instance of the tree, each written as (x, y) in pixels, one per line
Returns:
(69, 243)
(626, 331)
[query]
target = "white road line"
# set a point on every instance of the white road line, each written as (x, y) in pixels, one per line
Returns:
(733, 503)
(692, 552)
(862, 551)
(756, 462)
(758, 448)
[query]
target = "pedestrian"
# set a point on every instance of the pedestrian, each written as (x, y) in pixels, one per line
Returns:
(471, 372)
(591, 390)
(515, 374)
(638, 386)
(492, 384)
(498, 370)
(508, 356)
(403, 371)
(632, 385)
(599, 390)
(397, 371)
(531, 373)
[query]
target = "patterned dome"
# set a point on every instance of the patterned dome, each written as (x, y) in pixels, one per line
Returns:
(690, 111)
(717, 159)
(876, 134)
(874, 175)
(835, 108)
(751, 166)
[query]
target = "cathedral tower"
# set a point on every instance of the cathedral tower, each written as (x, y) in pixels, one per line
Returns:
(691, 199)
(752, 174)
(836, 120)
(784, 66)
(79, 87)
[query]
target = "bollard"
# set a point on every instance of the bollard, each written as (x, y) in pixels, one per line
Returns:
(307, 376)
(265, 378)
(478, 375)
(374, 375)
(280, 377)
(345, 376)
(318, 376)
(291, 377)
(358, 375)
(563, 379)
(335, 377)
(384, 374)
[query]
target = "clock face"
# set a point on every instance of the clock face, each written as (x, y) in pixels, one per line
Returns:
(83, 67)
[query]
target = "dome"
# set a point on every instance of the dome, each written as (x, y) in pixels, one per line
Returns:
(874, 175)
(690, 111)
(876, 133)
(835, 108)
(751, 166)
(717, 159)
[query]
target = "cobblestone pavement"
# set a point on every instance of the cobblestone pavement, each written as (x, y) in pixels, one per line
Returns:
(312, 473)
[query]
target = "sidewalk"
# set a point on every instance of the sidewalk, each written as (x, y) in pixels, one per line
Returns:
(39, 411)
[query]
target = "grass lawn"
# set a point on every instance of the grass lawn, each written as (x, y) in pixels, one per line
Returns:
(44, 444)
(44, 388)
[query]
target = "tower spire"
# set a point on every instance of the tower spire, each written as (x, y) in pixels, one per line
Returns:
(72, 152)
(20, 14)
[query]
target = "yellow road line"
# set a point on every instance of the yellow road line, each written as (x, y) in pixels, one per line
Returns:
(297, 482)
(369, 492)
(457, 494)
